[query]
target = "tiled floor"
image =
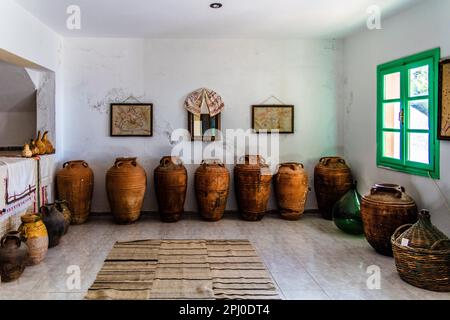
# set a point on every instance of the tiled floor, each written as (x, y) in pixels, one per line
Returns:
(308, 259)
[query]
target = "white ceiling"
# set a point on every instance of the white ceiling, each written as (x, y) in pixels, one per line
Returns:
(195, 19)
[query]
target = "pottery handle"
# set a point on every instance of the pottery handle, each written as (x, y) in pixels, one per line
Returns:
(342, 161)
(324, 160)
(165, 161)
(400, 230)
(11, 236)
(66, 164)
(293, 165)
(440, 242)
(85, 164)
(397, 190)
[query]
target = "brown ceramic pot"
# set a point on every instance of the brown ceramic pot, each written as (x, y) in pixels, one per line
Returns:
(383, 210)
(291, 188)
(75, 185)
(212, 183)
(126, 182)
(63, 207)
(252, 180)
(171, 185)
(13, 256)
(332, 180)
(54, 222)
(34, 233)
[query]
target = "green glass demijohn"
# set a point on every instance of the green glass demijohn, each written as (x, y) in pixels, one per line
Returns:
(347, 212)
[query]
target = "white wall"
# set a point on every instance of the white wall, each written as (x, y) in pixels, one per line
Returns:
(306, 73)
(17, 128)
(23, 35)
(420, 28)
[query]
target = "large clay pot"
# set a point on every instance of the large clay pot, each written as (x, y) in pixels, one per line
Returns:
(383, 210)
(291, 188)
(75, 185)
(332, 179)
(63, 207)
(171, 185)
(212, 184)
(34, 233)
(54, 222)
(252, 183)
(13, 256)
(126, 182)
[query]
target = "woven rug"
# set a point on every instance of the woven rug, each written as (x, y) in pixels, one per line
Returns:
(183, 269)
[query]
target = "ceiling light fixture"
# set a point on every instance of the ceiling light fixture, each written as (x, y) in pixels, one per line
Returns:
(216, 5)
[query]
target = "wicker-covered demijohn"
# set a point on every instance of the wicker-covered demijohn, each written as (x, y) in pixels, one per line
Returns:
(422, 254)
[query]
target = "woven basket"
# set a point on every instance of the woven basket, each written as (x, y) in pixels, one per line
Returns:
(422, 267)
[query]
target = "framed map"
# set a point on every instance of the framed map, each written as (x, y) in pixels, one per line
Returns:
(273, 117)
(131, 119)
(444, 100)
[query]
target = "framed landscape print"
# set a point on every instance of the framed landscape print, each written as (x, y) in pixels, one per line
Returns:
(273, 117)
(131, 120)
(444, 100)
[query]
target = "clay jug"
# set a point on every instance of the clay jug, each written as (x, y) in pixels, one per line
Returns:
(35, 235)
(64, 209)
(291, 188)
(212, 184)
(252, 179)
(54, 222)
(171, 185)
(383, 210)
(126, 182)
(74, 183)
(332, 179)
(13, 256)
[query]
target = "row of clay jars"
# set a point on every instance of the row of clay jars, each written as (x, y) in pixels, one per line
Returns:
(126, 184)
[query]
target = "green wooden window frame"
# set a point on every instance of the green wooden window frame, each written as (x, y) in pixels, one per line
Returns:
(403, 66)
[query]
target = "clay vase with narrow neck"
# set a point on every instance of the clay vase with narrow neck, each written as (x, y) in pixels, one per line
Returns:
(126, 182)
(54, 222)
(75, 184)
(252, 178)
(13, 256)
(171, 186)
(291, 189)
(34, 233)
(212, 183)
(64, 209)
(332, 179)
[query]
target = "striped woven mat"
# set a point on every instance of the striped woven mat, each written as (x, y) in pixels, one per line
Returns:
(183, 269)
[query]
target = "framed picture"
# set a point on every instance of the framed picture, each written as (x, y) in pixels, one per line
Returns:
(444, 100)
(273, 117)
(200, 124)
(131, 120)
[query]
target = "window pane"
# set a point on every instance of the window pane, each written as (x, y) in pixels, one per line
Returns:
(391, 145)
(418, 81)
(418, 114)
(391, 115)
(419, 147)
(392, 86)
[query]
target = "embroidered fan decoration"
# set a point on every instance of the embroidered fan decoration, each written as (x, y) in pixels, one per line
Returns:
(213, 101)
